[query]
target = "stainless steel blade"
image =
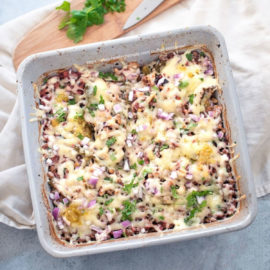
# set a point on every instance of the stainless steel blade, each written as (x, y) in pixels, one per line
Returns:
(145, 8)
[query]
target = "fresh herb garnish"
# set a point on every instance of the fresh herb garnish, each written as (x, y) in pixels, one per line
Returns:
(60, 115)
(95, 90)
(80, 136)
(189, 56)
(93, 13)
(45, 80)
(134, 132)
(80, 178)
(192, 125)
(161, 218)
(183, 84)
(134, 166)
(101, 211)
(155, 88)
(108, 201)
(202, 79)
(164, 146)
(202, 54)
(174, 192)
(191, 98)
(101, 100)
(111, 141)
(108, 179)
(112, 157)
(130, 186)
(192, 203)
(141, 161)
(79, 115)
(146, 172)
(71, 102)
(129, 209)
(106, 75)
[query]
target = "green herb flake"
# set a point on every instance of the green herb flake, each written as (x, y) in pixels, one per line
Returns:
(138, 18)
(101, 211)
(106, 75)
(79, 115)
(146, 172)
(202, 79)
(164, 146)
(101, 100)
(130, 186)
(111, 141)
(112, 157)
(133, 166)
(191, 99)
(141, 161)
(71, 102)
(134, 132)
(80, 178)
(129, 209)
(95, 90)
(80, 136)
(183, 84)
(155, 88)
(202, 54)
(60, 115)
(189, 56)
(108, 179)
(45, 80)
(65, 6)
(108, 201)
(174, 192)
(161, 218)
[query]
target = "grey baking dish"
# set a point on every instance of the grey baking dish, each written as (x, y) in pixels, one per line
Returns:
(139, 48)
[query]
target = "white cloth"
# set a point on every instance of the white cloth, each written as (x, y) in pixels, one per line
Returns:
(245, 25)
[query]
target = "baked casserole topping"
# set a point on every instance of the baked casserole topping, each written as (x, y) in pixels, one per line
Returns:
(141, 149)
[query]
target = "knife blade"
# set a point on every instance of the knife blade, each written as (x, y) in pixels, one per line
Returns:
(144, 9)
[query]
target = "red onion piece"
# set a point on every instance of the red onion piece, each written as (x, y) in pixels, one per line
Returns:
(126, 223)
(189, 176)
(194, 117)
(65, 201)
(178, 76)
(51, 196)
(91, 203)
(117, 234)
(220, 134)
(55, 213)
(56, 195)
(161, 81)
(96, 229)
(163, 115)
(93, 181)
(117, 108)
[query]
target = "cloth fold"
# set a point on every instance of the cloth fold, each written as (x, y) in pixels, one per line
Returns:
(245, 25)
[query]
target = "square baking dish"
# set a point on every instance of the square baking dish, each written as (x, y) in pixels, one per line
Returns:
(143, 49)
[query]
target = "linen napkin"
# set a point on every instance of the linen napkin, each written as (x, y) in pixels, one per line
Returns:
(245, 25)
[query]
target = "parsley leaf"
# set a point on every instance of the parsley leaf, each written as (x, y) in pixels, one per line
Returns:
(129, 209)
(108, 179)
(71, 102)
(112, 157)
(191, 98)
(164, 146)
(111, 141)
(79, 115)
(95, 90)
(80, 136)
(183, 84)
(106, 75)
(65, 6)
(134, 132)
(141, 161)
(80, 178)
(60, 115)
(134, 166)
(130, 186)
(174, 192)
(108, 201)
(189, 56)
(202, 54)
(101, 211)
(161, 218)
(101, 100)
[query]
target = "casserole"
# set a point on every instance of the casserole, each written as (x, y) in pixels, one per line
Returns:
(143, 50)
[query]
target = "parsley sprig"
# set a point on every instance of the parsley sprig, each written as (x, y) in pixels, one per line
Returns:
(77, 21)
(129, 209)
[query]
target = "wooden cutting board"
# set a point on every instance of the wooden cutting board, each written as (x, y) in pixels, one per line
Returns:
(46, 36)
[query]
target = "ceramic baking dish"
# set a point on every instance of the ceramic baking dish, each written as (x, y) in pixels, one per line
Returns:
(143, 49)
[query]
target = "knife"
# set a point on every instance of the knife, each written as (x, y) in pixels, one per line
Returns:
(144, 9)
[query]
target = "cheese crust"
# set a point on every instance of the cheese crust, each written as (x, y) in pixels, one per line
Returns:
(137, 150)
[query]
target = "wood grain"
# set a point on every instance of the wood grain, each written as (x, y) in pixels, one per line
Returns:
(46, 36)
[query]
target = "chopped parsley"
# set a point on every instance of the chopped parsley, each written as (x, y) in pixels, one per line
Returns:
(202, 79)
(191, 98)
(193, 204)
(133, 166)
(202, 54)
(155, 88)
(101, 100)
(106, 75)
(80, 178)
(79, 115)
(112, 157)
(60, 115)
(183, 84)
(129, 209)
(189, 56)
(111, 141)
(101, 211)
(108, 179)
(164, 146)
(80, 136)
(130, 186)
(45, 80)
(191, 125)
(146, 172)
(93, 107)
(174, 192)
(134, 132)
(71, 102)
(141, 161)
(108, 201)
(95, 90)
(161, 218)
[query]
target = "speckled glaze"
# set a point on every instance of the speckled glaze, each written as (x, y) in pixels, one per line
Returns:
(138, 48)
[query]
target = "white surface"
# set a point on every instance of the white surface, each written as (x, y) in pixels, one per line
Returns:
(245, 25)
